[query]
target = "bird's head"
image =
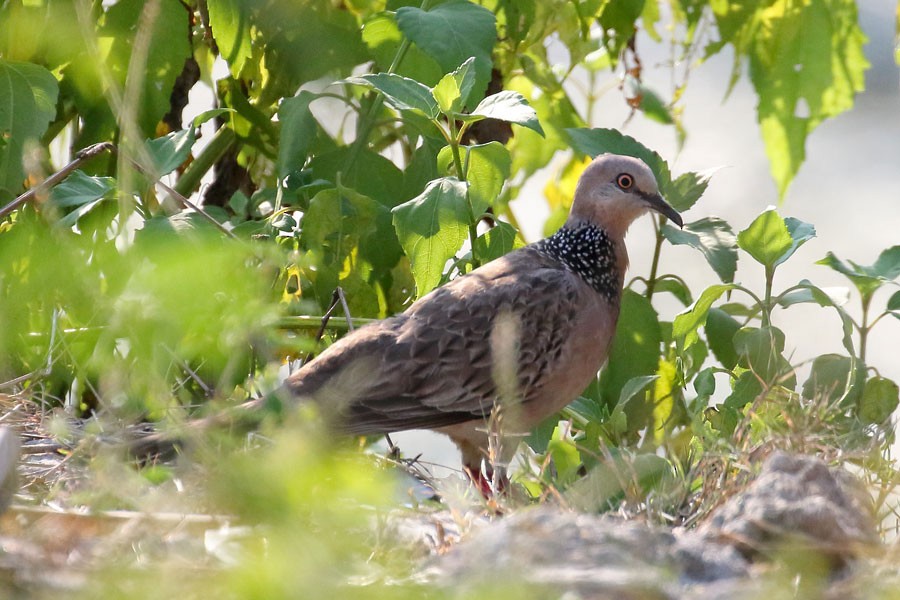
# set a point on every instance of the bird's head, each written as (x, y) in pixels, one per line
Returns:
(615, 190)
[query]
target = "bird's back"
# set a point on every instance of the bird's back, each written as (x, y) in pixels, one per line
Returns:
(440, 362)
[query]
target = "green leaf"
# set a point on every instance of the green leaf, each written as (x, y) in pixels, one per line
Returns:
(487, 169)
(676, 287)
(497, 241)
(634, 353)
(689, 321)
(829, 378)
(78, 189)
(229, 21)
(654, 107)
(771, 240)
(28, 95)
(714, 238)
(867, 279)
(604, 486)
(893, 302)
(454, 88)
(633, 387)
(617, 22)
(168, 48)
(451, 33)
(595, 142)
(745, 390)
(383, 38)
(684, 192)
(432, 228)
(82, 193)
(401, 92)
(760, 350)
(207, 115)
(511, 107)
(298, 131)
(171, 150)
(807, 292)
(564, 452)
(720, 329)
(806, 64)
(879, 400)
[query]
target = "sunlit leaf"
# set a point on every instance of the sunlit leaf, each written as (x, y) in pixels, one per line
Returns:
(454, 88)
(771, 240)
(432, 228)
(511, 107)
(230, 24)
(806, 64)
(689, 321)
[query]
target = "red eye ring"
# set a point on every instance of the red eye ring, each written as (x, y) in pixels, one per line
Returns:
(624, 181)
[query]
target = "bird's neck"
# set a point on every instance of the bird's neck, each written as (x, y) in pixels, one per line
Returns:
(590, 252)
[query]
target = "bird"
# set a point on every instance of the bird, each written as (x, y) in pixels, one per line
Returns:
(521, 336)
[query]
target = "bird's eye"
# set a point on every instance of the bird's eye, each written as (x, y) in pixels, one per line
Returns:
(625, 181)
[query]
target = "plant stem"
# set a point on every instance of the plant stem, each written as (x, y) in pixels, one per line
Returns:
(654, 266)
(864, 327)
(767, 301)
(455, 136)
(221, 141)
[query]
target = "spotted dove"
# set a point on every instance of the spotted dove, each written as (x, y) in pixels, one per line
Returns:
(527, 331)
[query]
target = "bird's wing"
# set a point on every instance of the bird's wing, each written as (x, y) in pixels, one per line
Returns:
(440, 362)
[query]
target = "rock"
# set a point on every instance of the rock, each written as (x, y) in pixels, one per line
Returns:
(796, 502)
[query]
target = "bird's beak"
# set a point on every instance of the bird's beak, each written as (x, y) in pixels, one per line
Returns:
(657, 203)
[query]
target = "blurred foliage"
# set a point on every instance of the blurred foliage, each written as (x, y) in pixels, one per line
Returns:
(375, 146)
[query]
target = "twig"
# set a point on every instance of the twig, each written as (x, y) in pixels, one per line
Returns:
(81, 157)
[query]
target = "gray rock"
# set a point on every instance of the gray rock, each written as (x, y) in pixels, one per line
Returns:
(796, 500)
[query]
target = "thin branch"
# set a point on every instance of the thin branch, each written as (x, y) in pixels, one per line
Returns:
(80, 158)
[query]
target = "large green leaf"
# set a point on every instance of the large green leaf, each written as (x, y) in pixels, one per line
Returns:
(333, 228)
(27, 105)
(714, 238)
(807, 64)
(401, 92)
(229, 21)
(168, 48)
(383, 38)
(451, 33)
(760, 350)
(432, 228)
(298, 131)
(595, 142)
(511, 107)
(720, 329)
(771, 240)
(634, 354)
